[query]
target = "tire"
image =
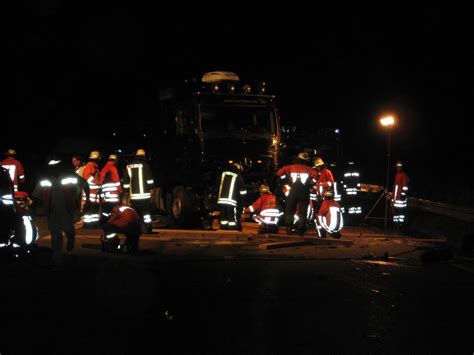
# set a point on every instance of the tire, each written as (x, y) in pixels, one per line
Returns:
(183, 207)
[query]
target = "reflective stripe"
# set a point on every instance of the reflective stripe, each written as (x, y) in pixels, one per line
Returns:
(69, 181)
(283, 177)
(126, 186)
(110, 236)
(150, 181)
(123, 208)
(11, 170)
(29, 231)
(251, 209)
(243, 192)
(7, 199)
(22, 177)
(44, 183)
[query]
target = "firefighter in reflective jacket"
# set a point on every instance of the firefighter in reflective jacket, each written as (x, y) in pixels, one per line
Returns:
(14, 168)
(330, 220)
(325, 179)
(399, 195)
(300, 178)
(92, 204)
(126, 220)
(17, 230)
(138, 180)
(231, 190)
(58, 193)
(110, 187)
(266, 212)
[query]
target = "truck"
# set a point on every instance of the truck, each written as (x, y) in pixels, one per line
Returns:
(203, 126)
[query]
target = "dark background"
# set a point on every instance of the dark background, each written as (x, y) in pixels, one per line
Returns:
(75, 69)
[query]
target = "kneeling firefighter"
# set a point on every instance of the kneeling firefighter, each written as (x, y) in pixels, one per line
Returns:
(265, 210)
(126, 220)
(329, 219)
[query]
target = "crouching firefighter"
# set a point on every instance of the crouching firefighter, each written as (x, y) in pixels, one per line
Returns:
(231, 191)
(126, 220)
(329, 219)
(266, 212)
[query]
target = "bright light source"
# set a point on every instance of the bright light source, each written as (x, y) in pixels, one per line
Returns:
(337, 131)
(247, 88)
(387, 121)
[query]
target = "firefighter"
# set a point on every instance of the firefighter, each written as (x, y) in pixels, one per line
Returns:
(266, 212)
(351, 187)
(110, 187)
(17, 230)
(123, 219)
(58, 194)
(300, 178)
(330, 220)
(7, 208)
(138, 180)
(92, 203)
(14, 167)
(399, 195)
(231, 191)
(78, 165)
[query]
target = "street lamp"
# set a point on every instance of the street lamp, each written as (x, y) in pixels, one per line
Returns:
(388, 122)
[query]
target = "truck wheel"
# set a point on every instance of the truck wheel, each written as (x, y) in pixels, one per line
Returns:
(182, 207)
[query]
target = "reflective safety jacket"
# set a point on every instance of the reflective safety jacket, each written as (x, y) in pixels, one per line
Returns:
(138, 179)
(400, 189)
(69, 186)
(109, 181)
(15, 169)
(298, 173)
(231, 189)
(264, 202)
(91, 175)
(324, 182)
(126, 219)
(330, 216)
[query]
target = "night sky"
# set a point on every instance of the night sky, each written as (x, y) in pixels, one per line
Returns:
(329, 67)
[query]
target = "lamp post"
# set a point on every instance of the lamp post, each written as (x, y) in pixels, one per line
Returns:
(388, 122)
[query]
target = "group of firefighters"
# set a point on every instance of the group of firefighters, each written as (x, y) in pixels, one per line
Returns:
(310, 197)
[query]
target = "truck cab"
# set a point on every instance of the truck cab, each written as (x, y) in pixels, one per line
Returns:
(206, 125)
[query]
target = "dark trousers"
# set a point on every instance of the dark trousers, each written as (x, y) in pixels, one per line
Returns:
(298, 199)
(57, 225)
(107, 208)
(230, 217)
(143, 208)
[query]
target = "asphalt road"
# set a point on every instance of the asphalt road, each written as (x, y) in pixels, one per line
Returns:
(225, 293)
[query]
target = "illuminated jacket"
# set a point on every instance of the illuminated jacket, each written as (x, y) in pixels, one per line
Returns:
(400, 188)
(264, 202)
(91, 175)
(15, 169)
(325, 181)
(138, 178)
(125, 219)
(294, 173)
(330, 216)
(69, 185)
(110, 183)
(231, 189)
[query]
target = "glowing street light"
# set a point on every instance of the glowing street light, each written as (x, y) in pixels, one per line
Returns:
(388, 122)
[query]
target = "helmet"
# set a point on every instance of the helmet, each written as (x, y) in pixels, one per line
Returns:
(303, 156)
(112, 157)
(11, 152)
(318, 162)
(399, 164)
(328, 193)
(264, 189)
(95, 154)
(238, 166)
(140, 152)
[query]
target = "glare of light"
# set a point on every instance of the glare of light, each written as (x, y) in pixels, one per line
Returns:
(337, 131)
(231, 161)
(387, 121)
